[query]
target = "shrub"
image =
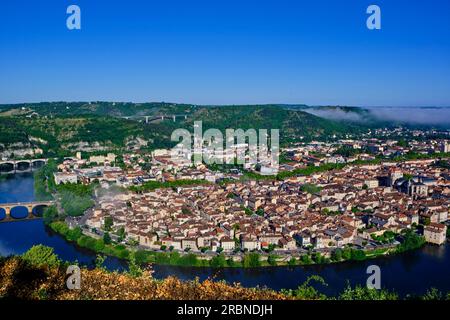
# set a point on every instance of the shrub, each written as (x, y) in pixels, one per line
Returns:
(251, 260)
(218, 261)
(40, 256)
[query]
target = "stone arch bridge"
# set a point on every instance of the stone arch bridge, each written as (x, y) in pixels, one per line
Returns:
(30, 206)
(17, 166)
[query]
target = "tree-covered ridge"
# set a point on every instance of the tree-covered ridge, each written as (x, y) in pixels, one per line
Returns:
(57, 128)
(293, 124)
(58, 135)
(100, 108)
(10, 132)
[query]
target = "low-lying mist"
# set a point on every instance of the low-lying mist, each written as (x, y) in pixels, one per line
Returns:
(429, 116)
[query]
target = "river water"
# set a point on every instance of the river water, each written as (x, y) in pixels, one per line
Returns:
(412, 272)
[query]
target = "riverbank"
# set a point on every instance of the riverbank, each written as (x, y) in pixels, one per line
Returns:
(428, 265)
(247, 260)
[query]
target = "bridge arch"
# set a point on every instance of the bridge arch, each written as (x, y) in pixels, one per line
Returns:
(2, 214)
(36, 164)
(19, 212)
(23, 210)
(23, 165)
(38, 210)
(6, 167)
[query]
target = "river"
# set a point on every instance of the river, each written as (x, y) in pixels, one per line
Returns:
(412, 272)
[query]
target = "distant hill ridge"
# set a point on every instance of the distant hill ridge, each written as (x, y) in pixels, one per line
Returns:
(60, 127)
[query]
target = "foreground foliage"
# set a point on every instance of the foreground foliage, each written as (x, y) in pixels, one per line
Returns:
(40, 275)
(22, 280)
(40, 256)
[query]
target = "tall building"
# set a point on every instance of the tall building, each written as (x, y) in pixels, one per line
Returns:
(395, 175)
(445, 147)
(435, 233)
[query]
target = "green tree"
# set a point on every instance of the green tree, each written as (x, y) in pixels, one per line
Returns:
(174, 257)
(305, 259)
(134, 268)
(433, 294)
(272, 260)
(99, 261)
(141, 256)
(121, 234)
(218, 261)
(40, 256)
(50, 214)
(108, 223)
(358, 255)
(410, 241)
(318, 258)
(189, 260)
(337, 255)
(346, 151)
(364, 293)
(346, 253)
(306, 291)
(99, 245)
(292, 261)
(73, 204)
(402, 143)
(310, 188)
(121, 251)
(74, 234)
(230, 262)
(106, 238)
(251, 260)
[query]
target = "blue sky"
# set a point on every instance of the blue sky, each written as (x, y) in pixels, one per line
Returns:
(227, 52)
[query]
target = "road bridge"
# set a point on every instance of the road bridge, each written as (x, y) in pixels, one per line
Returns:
(17, 166)
(148, 119)
(30, 206)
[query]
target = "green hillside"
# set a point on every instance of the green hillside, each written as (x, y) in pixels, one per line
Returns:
(58, 127)
(292, 124)
(57, 135)
(100, 108)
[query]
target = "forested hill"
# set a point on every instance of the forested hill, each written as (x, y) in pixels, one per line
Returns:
(62, 128)
(99, 108)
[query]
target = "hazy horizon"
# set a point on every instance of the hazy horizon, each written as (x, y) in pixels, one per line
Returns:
(231, 104)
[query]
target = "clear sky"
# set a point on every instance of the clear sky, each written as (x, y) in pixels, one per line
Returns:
(227, 52)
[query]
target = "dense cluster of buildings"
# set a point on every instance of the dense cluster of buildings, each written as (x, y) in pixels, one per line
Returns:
(317, 153)
(355, 205)
(323, 211)
(136, 169)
